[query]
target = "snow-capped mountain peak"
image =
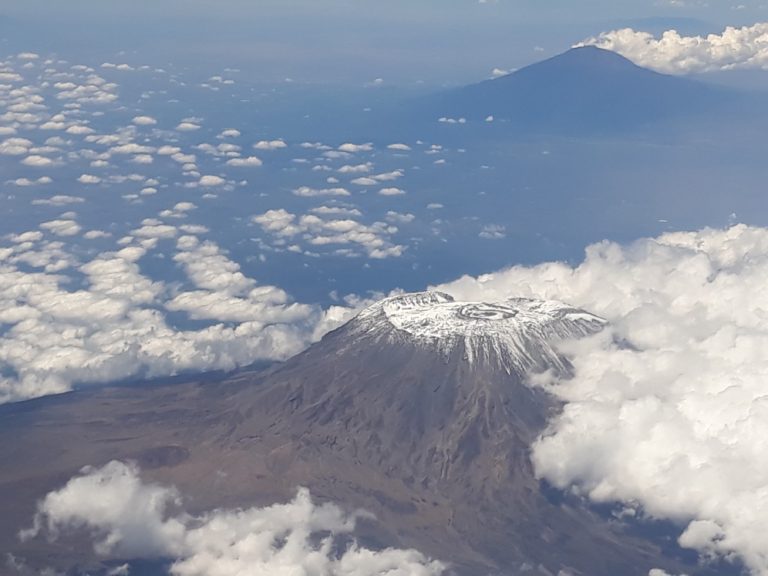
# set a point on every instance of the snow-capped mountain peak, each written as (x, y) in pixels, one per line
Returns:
(517, 334)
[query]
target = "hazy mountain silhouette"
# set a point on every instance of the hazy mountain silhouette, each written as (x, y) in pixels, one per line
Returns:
(585, 90)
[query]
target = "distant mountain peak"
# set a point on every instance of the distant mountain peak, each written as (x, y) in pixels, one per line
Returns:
(588, 53)
(584, 91)
(587, 60)
(515, 334)
(585, 50)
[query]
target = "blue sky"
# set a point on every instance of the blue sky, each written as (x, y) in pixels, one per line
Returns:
(344, 41)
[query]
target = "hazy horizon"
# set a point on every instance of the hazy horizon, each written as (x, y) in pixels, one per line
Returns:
(342, 42)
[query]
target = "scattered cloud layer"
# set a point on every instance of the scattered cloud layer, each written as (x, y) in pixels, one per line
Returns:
(734, 48)
(115, 325)
(122, 288)
(131, 519)
(667, 412)
(270, 145)
(321, 228)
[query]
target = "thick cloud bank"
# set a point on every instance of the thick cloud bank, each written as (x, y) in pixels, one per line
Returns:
(131, 519)
(745, 47)
(668, 411)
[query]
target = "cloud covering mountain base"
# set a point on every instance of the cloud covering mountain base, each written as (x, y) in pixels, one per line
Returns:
(667, 412)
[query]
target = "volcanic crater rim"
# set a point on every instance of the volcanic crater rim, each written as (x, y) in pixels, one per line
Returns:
(437, 315)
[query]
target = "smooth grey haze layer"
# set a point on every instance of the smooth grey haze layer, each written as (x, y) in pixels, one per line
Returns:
(340, 41)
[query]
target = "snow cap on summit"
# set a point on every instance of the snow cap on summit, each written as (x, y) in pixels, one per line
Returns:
(517, 333)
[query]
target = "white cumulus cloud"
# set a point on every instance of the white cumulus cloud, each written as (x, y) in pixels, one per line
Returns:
(88, 179)
(37, 161)
(392, 191)
(270, 145)
(144, 121)
(58, 200)
(131, 519)
(229, 133)
(62, 227)
(211, 180)
(308, 192)
(187, 127)
(667, 411)
(353, 148)
(673, 53)
(250, 161)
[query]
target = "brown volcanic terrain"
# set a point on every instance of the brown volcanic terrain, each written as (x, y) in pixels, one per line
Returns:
(434, 441)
